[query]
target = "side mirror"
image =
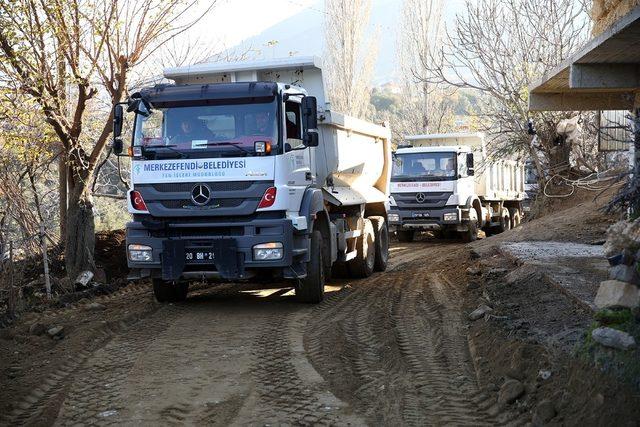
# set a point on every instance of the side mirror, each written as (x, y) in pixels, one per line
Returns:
(311, 138)
(309, 113)
(117, 146)
(310, 121)
(118, 117)
(470, 169)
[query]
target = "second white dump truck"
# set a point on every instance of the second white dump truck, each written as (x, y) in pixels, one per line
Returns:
(238, 170)
(446, 184)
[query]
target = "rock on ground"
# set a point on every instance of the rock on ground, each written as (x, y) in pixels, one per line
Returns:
(37, 328)
(610, 337)
(95, 306)
(624, 273)
(622, 235)
(510, 391)
(480, 312)
(544, 412)
(84, 278)
(614, 293)
(56, 332)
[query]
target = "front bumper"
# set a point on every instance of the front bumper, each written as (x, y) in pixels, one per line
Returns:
(426, 219)
(230, 242)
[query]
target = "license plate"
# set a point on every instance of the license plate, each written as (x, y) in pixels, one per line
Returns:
(420, 215)
(198, 256)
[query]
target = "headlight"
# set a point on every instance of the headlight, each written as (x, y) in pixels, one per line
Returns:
(268, 251)
(140, 253)
(393, 217)
(451, 216)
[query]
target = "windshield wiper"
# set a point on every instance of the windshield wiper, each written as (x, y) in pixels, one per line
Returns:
(226, 143)
(169, 147)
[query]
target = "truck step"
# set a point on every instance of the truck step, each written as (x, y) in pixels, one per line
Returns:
(352, 234)
(348, 256)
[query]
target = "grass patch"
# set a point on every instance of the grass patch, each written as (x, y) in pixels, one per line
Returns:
(622, 364)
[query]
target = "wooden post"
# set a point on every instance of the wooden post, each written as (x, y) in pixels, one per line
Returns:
(45, 260)
(11, 301)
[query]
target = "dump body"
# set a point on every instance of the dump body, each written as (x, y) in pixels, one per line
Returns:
(443, 182)
(237, 170)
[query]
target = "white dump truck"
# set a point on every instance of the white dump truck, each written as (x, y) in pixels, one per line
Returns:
(239, 170)
(446, 184)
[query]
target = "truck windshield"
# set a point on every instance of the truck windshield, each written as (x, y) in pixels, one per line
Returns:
(207, 131)
(424, 167)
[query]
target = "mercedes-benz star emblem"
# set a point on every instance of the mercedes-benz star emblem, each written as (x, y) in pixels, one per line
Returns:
(420, 197)
(201, 194)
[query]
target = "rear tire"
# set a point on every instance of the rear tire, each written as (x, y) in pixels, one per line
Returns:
(170, 291)
(406, 236)
(515, 217)
(505, 221)
(381, 234)
(362, 265)
(311, 288)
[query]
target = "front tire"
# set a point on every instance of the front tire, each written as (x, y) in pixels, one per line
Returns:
(311, 288)
(170, 291)
(381, 234)
(471, 234)
(362, 265)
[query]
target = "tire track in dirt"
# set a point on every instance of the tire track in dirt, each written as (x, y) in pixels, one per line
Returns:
(395, 348)
(96, 394)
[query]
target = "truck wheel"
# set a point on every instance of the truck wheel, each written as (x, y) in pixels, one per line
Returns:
(505, 221)
(471, 233)
(406, 236)
(311, 288)
(170, 291)
(381, 234)
(362, 265)
(515, 217)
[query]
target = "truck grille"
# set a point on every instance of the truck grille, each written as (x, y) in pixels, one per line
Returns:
(430, 200)
(218, 203)
(214, 186)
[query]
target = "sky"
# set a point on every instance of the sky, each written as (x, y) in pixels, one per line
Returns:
(280, 28)
(233, 21)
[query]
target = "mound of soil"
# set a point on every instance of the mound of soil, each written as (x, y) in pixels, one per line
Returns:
(111, 254)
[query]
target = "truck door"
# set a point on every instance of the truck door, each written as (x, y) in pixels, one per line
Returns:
(296, 171)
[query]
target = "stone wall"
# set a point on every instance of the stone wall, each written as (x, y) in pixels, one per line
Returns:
(606, 12)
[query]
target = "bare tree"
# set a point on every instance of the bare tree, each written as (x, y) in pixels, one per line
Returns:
(419, 36)
(499, 47)
(71, 57)
(349, 60)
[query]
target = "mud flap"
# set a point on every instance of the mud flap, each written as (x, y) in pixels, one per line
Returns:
(229, 262)
(172, 259)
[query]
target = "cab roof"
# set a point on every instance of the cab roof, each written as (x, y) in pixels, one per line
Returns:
(164, 95)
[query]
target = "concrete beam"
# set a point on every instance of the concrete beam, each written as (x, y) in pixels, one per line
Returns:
(604, 76)
(581, 101)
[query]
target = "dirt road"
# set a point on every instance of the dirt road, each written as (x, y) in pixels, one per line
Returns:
(391, 349)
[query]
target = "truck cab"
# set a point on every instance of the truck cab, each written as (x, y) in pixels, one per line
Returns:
(427, 185)
(444, 183)
(236, 173)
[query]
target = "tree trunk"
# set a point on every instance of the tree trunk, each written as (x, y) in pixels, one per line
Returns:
(635, 180)
(62, 185)
(80, 236)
